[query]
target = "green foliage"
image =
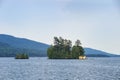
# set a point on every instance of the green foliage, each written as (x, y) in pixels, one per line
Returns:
(22, 56)
(77, 51)
(62, 49)
(50, 52)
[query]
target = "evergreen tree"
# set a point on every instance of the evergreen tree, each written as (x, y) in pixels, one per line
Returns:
(77, 50)
(62, 49)
(22, 56)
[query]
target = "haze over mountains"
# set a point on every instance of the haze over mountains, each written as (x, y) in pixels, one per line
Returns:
(10, 46)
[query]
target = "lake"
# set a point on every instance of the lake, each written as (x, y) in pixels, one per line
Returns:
(46, 69)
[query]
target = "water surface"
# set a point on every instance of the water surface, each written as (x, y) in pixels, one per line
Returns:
(45, 69)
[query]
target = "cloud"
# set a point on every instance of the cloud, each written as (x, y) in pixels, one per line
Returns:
(88, 6)
(117, 2)
(94, 22)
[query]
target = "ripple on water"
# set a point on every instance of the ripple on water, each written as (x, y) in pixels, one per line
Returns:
(45, 69)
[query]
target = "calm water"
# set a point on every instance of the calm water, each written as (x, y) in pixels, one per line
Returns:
(45, 69)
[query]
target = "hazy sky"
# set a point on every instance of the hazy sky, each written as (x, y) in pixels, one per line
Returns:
(95, 22)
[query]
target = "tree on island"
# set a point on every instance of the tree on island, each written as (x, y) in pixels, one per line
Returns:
(62, 49)
(77, 50)
(22, 56)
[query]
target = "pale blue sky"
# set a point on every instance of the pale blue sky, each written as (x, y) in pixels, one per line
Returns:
(95, 22)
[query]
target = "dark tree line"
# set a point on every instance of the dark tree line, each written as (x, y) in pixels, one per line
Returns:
(22, 56)
(62, 49)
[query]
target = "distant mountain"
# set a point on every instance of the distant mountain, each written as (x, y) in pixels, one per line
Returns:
(97, 53)
(22, 42)
(10, 46)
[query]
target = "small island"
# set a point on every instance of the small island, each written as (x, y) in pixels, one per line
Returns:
(22, 56)
(63, 49)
